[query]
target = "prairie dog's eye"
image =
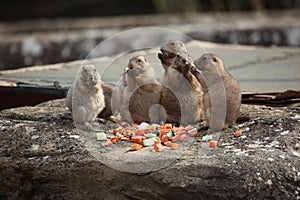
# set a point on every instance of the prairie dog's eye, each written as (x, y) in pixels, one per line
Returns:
(139, 60)
(214, 59)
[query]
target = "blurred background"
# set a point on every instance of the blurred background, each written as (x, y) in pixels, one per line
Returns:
(258, 40)
(32, 9)
(35, 32)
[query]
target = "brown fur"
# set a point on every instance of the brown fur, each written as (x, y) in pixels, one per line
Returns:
(85, 97)
(182, 93)
(141, 92)
(218, 85)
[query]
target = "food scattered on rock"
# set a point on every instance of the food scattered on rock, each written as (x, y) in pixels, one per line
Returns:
(147, 135)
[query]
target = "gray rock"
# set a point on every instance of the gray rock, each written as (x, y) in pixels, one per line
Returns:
(65, 167)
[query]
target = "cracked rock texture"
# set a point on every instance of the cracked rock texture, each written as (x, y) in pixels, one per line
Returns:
(42, 156)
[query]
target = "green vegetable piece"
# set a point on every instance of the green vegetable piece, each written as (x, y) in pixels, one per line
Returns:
(206, 138)
(150, 141)
(170, 134)
(101, 136)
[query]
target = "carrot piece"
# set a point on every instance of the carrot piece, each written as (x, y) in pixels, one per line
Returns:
(168, 126)
(156, 142)
(168, 143)
(174, 146)
(138, 139)
(117, 130)
(213, 144)
(238, 133)
(164, 138)
(158, 147)
(115, 139)
(135, 125)
(164, 131)
(175, 138)
(124, 139)
(139, 132)
(126, 134)
(183, 138)
(136, 147)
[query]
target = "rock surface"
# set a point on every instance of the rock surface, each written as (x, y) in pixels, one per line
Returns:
(42, 156)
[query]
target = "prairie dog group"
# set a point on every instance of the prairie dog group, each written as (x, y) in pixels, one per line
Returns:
(85, 97)
(141, 92)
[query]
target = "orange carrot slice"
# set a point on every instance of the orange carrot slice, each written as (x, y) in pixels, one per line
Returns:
(238, 133)
(213, 144)
(168, 143)
(174, 146)
(158, 147)
(168, 126)
(193, 134)
(138, 139)
(117, 130)
(164, 138)
(139, 132)
(136, 147)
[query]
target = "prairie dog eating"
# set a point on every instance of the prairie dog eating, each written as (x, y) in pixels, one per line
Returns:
(85, 97)
(221, 91)
(182, 93)
(141, 92)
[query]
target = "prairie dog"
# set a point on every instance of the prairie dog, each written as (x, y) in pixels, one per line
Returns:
(221, 91)
(85, 97)
(182, 93)
(141, 92)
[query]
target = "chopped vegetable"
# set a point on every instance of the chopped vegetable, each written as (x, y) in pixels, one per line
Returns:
(101, 136)
(164, 138)
(180, 132)
(117, 130)
(193, 132)
(139, 132)
(138, 139)
(150, 141)
(238, 133)
(136, 147)
(158, 147)
(168, 126)
(206, 138)
(115, 139)
(168, 143)
(213, 144)
(124, 138)
(174, 146)
(170, 134)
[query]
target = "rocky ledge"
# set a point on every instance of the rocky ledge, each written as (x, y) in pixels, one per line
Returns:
(42, 156)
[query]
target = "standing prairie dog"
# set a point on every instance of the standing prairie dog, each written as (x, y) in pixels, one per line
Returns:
(141, 92)
(221, 91)
(85, 97)
(182, 93)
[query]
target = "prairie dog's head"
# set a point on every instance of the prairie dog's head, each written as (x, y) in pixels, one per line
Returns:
(209, 62)
(138, 65)
(173, 47)
(89, 75)
(171, 50)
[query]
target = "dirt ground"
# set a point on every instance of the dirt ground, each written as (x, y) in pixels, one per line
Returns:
(43, 156)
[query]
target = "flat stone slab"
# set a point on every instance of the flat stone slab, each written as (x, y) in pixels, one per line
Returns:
(257, 69)
(42, 155)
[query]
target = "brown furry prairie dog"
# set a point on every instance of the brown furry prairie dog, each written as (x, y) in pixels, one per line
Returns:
(182, 93)
(221, 91)
(85, 97)
(141, 92)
